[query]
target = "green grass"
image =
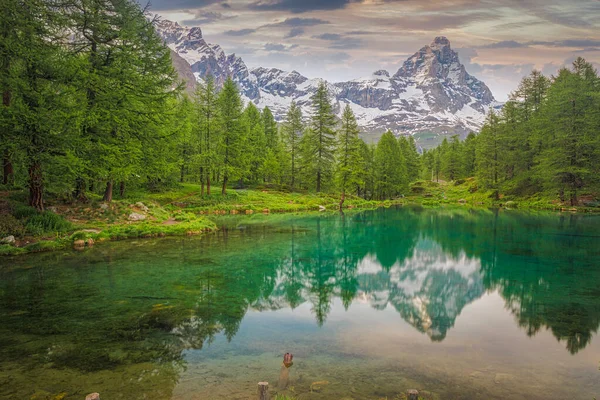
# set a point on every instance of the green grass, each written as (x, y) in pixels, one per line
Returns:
(183, 211)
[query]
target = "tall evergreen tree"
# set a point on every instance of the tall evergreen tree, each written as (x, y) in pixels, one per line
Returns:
(319, 140)
(43, 105)
(256, 142)
(231, 134)
(292, 133)
(390, 168)
(409, 151)
(488, 153)
(452, 159)
(349, 158)
(206, 103)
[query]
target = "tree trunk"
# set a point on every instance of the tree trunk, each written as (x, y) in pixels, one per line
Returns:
(36, 186)
(80, 187)
(108, 192)
(201, 181)
(182, 174)
(224, 189)
(8, 169)
(318, 181)
(122, 189)
(208, 184)
(342, 199)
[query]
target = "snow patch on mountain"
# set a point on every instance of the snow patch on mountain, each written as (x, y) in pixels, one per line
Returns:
(431, 91)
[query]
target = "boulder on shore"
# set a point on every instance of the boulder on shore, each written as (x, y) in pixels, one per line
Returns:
(10, 239)
(136, 217)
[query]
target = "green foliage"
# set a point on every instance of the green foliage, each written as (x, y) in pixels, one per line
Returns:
(318, 143)
(47, 222)
(9, 225)
(390, 168)
(292, 133)
(231, 140)
(348, 173)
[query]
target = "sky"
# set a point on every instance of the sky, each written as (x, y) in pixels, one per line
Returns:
(498, 41)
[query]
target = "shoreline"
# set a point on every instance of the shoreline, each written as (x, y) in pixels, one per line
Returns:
(90, 234)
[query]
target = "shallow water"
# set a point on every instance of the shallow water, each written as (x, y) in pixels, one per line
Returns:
(458, 304)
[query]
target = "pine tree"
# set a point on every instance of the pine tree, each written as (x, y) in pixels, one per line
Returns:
(409, 151)
(256, 142)
(270, 128)
(292, 133)
(349, 158)
(231, 134)
(206, 103)
(469, 160)
(567, 162)
(319, 140)
(390, 168)
(488, 153)
(43, 106)
(128, 80)
(452, 159)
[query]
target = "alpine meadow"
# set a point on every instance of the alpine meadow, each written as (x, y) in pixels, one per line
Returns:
(178, 216)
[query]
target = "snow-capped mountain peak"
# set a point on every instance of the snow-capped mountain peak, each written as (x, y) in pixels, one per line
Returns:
(431, 91)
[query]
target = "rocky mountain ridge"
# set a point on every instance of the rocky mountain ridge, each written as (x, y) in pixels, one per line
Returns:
(430, 92)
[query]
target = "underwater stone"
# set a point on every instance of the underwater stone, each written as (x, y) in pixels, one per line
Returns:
(412, 394)
(93, 396)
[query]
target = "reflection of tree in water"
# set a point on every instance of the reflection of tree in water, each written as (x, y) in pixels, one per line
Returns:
(550, 283)
(428, 265)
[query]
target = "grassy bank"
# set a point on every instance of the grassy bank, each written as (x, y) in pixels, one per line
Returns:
(183, 211)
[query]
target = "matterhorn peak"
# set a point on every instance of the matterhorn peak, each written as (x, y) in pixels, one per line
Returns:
(440, 41)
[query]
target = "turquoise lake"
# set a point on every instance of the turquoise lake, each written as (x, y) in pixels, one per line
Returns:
(457, 303)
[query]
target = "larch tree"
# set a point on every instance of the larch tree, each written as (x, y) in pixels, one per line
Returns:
(207, 106)
(348, 155)
(231, 132)
(319, 140)
(292, 130)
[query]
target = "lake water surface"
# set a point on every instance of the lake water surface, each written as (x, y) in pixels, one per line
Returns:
(459, 304)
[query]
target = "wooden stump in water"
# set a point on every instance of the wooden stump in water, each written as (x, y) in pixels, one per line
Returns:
(284, 377)
(93, 396)
(412, 394)
(263, 390)
(284, 374)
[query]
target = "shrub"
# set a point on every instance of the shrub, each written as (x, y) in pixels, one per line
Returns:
(47, 222)
(21, 211)
(186, 217)
(9, 225)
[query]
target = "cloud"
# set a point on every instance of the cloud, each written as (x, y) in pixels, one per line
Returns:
(298, 6)
(339, 41)
(294, 32)
(162, 5)
(297, 23)
(361, 33)
(506, 44)
(239, 32)
(275, 47)
(203, 18)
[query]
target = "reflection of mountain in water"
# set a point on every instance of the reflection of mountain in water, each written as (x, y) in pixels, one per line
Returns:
(429, 289)
(108, 307)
